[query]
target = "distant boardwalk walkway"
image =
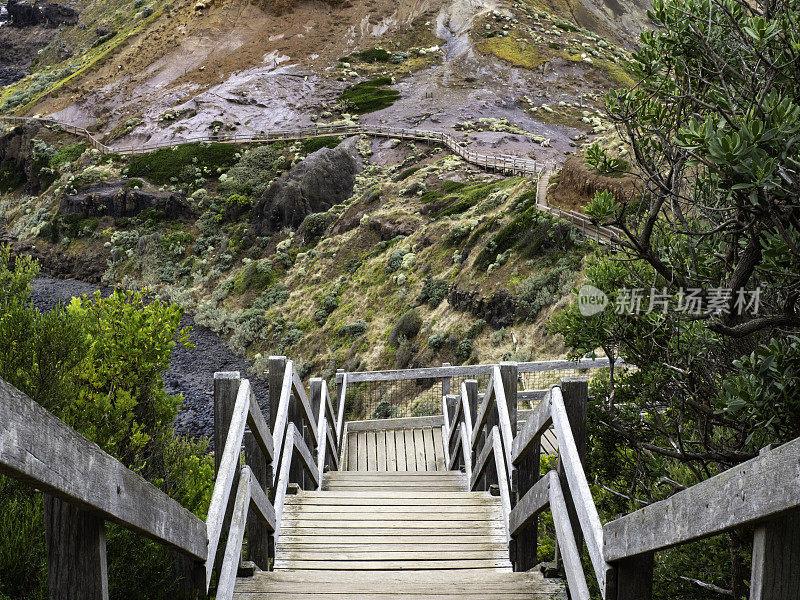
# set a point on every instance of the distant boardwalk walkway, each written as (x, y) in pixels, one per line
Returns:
(497, 163)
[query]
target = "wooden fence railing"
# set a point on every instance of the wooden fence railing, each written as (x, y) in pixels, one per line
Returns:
(86, 486)
(505, 163)
(301, 446)
(764, 491)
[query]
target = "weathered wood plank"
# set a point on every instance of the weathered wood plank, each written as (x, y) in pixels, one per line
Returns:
(282, 414)
(423, 373)
(419, 449)
(776, 555)
(531, 504)
(283, 476)
(756, 490)
(391, 451)
(380, 442)
(400, 454)
(438, 449)
(363, 460)
(300, 393)
(259, 532)
(399, 565)
(538, 420)
(233, 546)
(481, 462)
(324, 539)
(502, 477)
(563, 365)
(227, 474)
(566, 538)
(411, 452)
(483, 412)
(404, 423)
(42, 450)
(579, 488)
(261, 433)
(259, 502)
(430, 452)
(575, 395)
(306, 459)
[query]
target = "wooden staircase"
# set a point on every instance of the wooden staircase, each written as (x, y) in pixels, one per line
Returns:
(414, 534)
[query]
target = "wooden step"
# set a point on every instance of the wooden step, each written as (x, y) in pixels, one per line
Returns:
(438, 584)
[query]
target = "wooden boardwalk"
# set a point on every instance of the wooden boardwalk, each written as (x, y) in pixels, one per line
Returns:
(412, 534)
(413, 444)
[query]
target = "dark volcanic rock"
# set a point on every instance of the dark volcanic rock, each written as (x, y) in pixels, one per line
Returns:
(498, 310)
(191, 370)
(323, 179)
(120, 199)
(15, 153)
(29, 14)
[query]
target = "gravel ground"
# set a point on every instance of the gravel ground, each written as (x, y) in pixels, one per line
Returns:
(191, 372)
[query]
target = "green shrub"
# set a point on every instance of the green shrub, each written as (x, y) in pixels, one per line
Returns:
(67, 154)
(314, 226)
(97, 365)
(313, 144)
(436, 341)
(533, 233)
(167, 164)
(255, 276)
(407, 173)
(468, 196)
(10, 178)
(598, 158)
(426, 408)
(384, 410)
(451, 186)
(537, 291)
(434, 290)
(374, 55)
(395, 260)
(252, 174)
(407, 326)
(368, 96)
(353, 330)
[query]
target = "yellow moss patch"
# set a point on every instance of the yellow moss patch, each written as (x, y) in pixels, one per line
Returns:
(519, 54)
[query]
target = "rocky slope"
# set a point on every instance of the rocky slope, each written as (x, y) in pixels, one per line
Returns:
(360, 253)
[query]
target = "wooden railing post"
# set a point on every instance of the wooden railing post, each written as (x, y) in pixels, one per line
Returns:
(318, 409)
(472, 402)
(340, 398)
(76, 552)
(776, 555)
(226, 387)
(259, 537)
(634, 579)
(575, 392)
(451, 403)
(509, 375)
(277, 365)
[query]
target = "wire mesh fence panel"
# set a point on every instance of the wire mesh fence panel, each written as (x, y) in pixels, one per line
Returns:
(393, 399)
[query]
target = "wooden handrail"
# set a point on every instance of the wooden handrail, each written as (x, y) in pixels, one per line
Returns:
(579, 488)
(760, 489)
(41, 450)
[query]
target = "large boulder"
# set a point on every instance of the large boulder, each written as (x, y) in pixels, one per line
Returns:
(29, 14)
(122, 198)
(326, 177)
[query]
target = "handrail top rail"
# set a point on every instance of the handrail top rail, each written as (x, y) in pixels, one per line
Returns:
(40, 449)
(476, 370)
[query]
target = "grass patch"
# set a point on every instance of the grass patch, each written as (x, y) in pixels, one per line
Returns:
(67, 154)
(519, 54)
(313, 144)
(373, 55)
(471, 195)
(369, 96)
(162, 165)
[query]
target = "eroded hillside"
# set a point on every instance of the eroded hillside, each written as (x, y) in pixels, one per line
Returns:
(361, 252)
